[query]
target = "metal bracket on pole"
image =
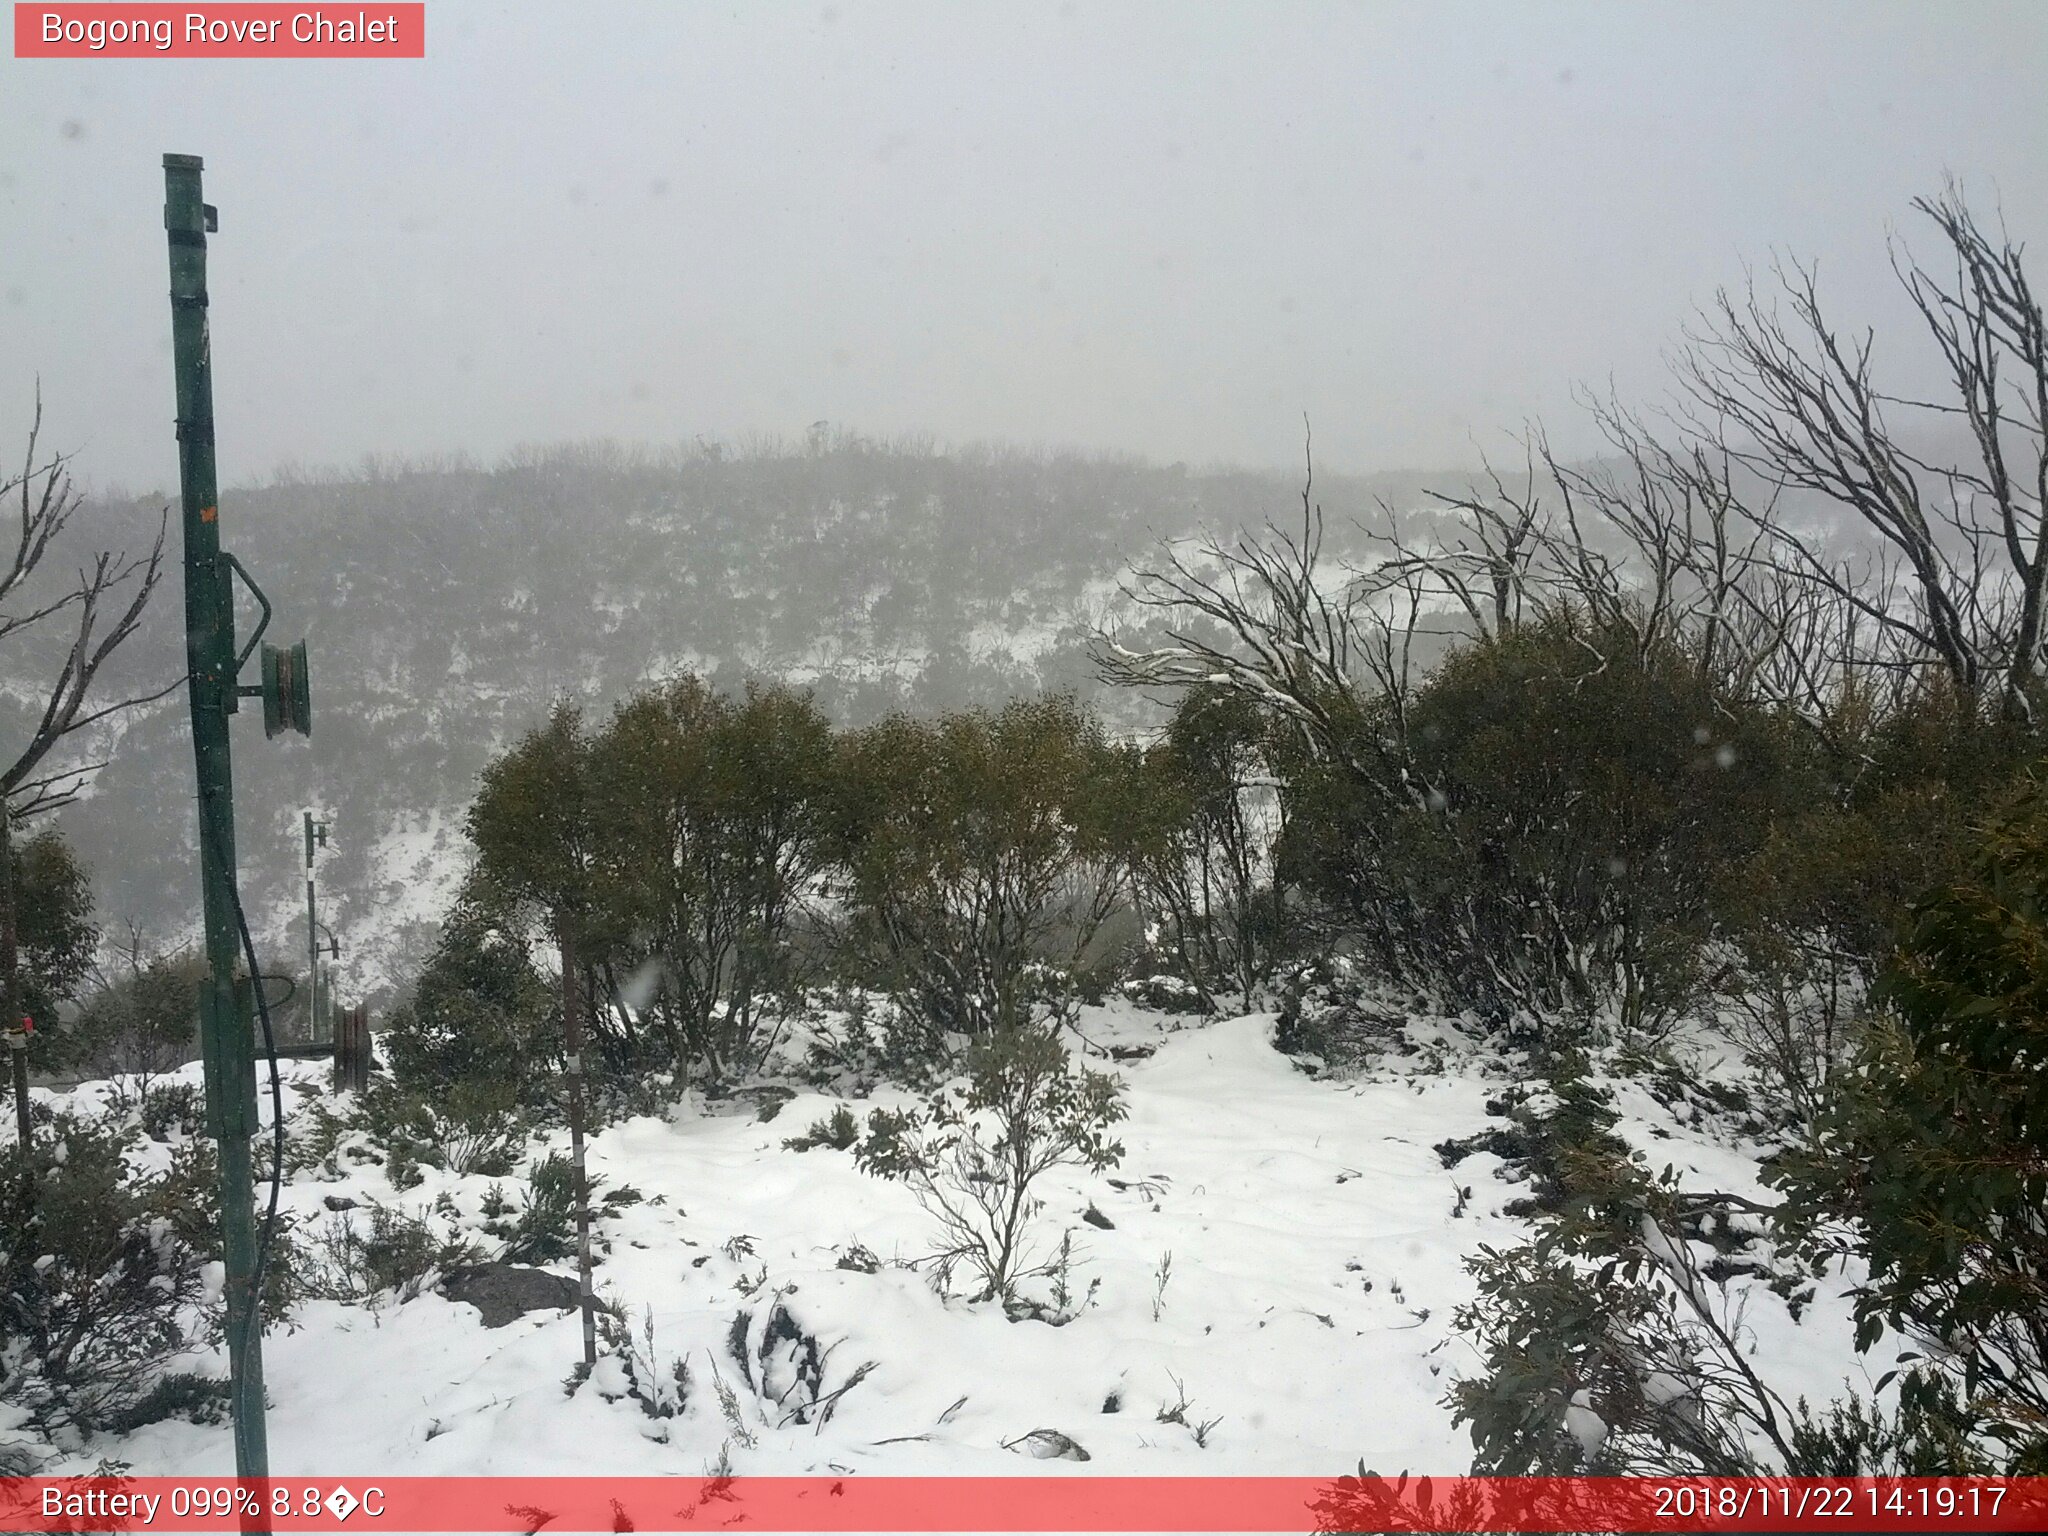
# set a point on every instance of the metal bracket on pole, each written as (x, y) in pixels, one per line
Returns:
(262, 602)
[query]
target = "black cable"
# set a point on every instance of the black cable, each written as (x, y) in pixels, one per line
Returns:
(291, 986)
(276, 1103)
(276, 1119)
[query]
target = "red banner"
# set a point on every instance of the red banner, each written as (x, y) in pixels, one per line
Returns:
(1047, 1503)
(237, 31)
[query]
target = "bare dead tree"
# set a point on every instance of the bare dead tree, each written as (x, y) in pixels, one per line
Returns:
(1654, 540)
(1487, 567)
(1796, 400)
(1269, 618)
(1650, 542)
(102, 608)
(96, 613)
(1987, 317)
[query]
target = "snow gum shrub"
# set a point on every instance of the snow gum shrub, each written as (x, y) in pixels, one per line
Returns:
(709, 827)
(536, 872)
(1815, 912)
(140, 1024)
(975, 1154)
(975, 847)
(100, 1287)
(1534, 832)
(1931, 1160)
(470, 1126)
(1613, 1347)
(1201, 825)
(54, 929)
(1607, 1350)
(479, 1012)
(378, 1250)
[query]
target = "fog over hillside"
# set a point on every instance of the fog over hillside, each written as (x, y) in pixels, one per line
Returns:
(447, 608)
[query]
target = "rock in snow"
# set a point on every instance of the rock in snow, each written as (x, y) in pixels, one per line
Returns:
(1047, 1445)
(502, 1292)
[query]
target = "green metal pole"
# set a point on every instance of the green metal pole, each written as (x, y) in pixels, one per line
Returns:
(312, 943)
(225, 1021)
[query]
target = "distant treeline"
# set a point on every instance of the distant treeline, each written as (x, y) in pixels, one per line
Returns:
(449, 606)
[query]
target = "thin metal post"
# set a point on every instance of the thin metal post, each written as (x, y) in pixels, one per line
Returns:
(17, 1053)
(225, 1020)
(312, 942)
(14, 1025)
(572, 1047)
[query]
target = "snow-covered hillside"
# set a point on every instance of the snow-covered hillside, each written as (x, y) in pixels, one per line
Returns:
(1267, 1286)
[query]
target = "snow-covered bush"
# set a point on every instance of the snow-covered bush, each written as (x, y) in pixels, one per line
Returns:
(545, 1228)
(862, 1038)
(100, 1284)
(1610, 1360)
(661, 1386)
(470, 1126)
(975, 1154)
(839, 1130)
(1166, 994)
(1334, 1016)
(785, 1364)
(379, 1250)
(171, 1109)
(1612, 1347)
(1617, 1354)
(1604, 1353)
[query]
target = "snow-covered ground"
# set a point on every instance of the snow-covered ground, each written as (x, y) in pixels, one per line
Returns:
(1316, 1240)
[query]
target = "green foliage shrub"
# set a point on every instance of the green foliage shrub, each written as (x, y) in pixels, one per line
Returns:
(472, 1126)
(709, 835)
(1935, 1145)
(54, 926)
(545, 1229)
(975, 847)
(838, 1130)
(1542, 841)
(100, 1279)
(864, 1038)
(1609, 1348)
(1813, 913)
(1332, 1019)
(975, 1154)
(138, 1017)
(172, 1109)
(479, 1011)
(377, 1250)
(1201, 825)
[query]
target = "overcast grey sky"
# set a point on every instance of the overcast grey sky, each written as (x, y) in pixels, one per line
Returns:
(1167, 228)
